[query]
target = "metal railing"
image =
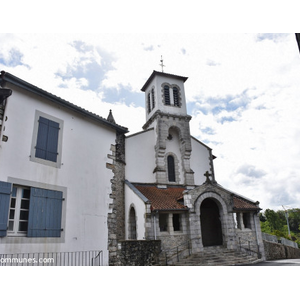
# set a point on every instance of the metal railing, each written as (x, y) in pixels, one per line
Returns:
(77, 258)
(245, 246)
(182, 250)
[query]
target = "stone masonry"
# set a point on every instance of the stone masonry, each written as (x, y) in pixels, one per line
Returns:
(116, 216)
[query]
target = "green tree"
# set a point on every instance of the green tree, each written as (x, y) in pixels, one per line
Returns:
(274, 219)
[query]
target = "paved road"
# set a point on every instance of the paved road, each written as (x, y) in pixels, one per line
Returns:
(281, 262)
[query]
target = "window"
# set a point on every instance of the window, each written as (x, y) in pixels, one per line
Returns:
(19, 211)
(31, 212)
(175, 96)
(171, 94)
(167, 95)
(171, 169)
(246, 220)
(163, 222)
(176, 222)
(149, 103)
(153, 98)
(47, 140)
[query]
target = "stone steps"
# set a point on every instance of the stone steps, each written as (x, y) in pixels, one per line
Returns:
(216, 256)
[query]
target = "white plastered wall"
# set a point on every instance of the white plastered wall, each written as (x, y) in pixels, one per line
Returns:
(133, 200)
(82, 176)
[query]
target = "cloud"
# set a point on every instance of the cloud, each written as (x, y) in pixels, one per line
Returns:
(89, 66)
(251, 171)
(242, 93)
(149, 48)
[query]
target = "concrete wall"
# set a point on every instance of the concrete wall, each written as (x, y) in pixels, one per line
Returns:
(82, 176)
(200, 161)
(140, 157)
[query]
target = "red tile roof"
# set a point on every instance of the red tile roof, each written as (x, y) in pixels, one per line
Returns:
(241, 204)
(162, 199)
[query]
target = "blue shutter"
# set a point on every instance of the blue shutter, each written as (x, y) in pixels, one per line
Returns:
(45, 212)
(52, 141)
(47, 140)
(5, 190)
(42, 137)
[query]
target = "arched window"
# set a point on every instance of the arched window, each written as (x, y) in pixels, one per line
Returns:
(171, 169)
(153, 98)
(175, 96)
(132, 224)
(167, 95)
(149, 103)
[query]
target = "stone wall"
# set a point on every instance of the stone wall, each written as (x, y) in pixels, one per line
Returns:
(279, 251)
(139, 252)
(116, 216)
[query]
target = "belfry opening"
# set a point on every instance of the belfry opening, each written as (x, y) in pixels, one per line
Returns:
(211, 226)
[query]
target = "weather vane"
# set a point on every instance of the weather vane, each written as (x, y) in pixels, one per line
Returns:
(162, 64)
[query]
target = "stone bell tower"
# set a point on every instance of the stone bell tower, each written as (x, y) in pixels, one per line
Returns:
(166, 112)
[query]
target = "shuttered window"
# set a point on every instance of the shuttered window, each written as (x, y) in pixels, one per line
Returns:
(149, 104)
(153, 98)
(47, 140)
(45, 213)
(175, 96)
(5, 191)
(167, 95)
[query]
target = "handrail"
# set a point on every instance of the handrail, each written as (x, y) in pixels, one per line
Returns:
(177, 251)
(248, 249)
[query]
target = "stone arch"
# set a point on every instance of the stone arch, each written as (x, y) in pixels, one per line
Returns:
(132, 223)
(217, 204)
(211, 226)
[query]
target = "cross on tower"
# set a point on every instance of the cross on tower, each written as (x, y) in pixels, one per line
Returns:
(162, 64)
(207, 175)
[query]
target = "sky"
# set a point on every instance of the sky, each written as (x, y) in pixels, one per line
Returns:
(242, 93)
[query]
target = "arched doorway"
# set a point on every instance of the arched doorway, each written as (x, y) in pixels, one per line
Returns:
(132, 224)
(211, 226)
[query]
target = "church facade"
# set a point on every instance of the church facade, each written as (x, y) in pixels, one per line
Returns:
(171, 192)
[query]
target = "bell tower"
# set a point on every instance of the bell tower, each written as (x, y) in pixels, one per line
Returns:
(166, 112)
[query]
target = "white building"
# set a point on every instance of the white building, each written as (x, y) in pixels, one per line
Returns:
(54, 182)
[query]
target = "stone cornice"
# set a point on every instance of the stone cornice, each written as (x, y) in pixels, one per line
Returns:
(159, 113)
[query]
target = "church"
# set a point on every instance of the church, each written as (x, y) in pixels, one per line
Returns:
(171, 193)
(155, 185)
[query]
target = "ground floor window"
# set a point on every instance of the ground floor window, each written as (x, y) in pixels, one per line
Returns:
(19, 211)
(30, 211)
(246, 220)
(176, 222)
(243, 220)
(170, 222)
(163, 222)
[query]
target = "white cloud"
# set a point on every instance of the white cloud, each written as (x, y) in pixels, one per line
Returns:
(242, 93)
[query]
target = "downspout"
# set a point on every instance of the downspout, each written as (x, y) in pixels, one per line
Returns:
(256, 233)
(155, 225)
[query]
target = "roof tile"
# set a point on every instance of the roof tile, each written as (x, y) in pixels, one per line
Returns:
(162, 199)
(241, 204)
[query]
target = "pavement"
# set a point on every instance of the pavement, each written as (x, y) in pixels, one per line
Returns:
(281, 262)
